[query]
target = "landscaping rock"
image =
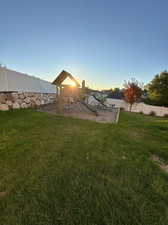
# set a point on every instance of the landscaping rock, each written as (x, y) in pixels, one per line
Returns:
(18, 100)
(9, 103)
(24, 105)
(38, 102)
(4, 107)
(9, 97)
(21, 96)
(16, 105)
(2, 98)
(27, 100)
(15, 96)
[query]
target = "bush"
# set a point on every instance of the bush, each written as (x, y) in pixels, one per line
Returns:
(166, 115)
(152, 113)
(141, 112)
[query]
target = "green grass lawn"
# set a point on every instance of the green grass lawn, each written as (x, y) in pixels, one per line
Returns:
(56, 170)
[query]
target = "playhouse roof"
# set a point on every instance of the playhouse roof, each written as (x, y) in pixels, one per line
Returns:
(62, 76)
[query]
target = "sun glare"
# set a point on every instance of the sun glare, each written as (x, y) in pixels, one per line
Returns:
(69, 82)
(72, 83)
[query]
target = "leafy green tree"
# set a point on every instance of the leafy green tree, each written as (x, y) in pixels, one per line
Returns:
(116, 90)
(158, 90)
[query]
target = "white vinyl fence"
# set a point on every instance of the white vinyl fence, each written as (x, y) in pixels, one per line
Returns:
(12, 81)
(137, 107)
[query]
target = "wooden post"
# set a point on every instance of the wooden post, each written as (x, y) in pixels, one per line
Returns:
(118, 114)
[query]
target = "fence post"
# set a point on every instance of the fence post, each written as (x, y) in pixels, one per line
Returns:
(118, 113)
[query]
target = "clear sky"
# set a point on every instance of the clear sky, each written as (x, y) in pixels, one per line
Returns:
(102, 41)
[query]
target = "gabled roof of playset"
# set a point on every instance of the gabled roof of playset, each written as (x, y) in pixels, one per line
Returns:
(62, 76)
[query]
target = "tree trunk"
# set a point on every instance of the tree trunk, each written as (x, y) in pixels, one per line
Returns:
(130, 107)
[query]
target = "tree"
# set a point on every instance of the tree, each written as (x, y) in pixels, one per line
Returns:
(158, 90)
(116, 90)
(132, 91)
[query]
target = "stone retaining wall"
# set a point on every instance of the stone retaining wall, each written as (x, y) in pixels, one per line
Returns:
(16, 100)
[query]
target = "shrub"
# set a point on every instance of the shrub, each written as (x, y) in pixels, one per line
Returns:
(122, 108)
(152, 113)
(166, 115)
(141, 112)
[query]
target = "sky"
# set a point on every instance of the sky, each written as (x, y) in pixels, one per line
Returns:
(103, 42)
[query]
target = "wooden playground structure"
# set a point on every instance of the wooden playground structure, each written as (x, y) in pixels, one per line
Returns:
(71, 102)
(67, 93)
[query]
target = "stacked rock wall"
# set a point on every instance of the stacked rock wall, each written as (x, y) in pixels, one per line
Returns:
(16, 100)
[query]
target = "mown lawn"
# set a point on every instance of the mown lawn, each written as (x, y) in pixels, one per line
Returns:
(56, 170)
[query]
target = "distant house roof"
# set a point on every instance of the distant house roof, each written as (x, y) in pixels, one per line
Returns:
(11, 81)
(62, 76)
